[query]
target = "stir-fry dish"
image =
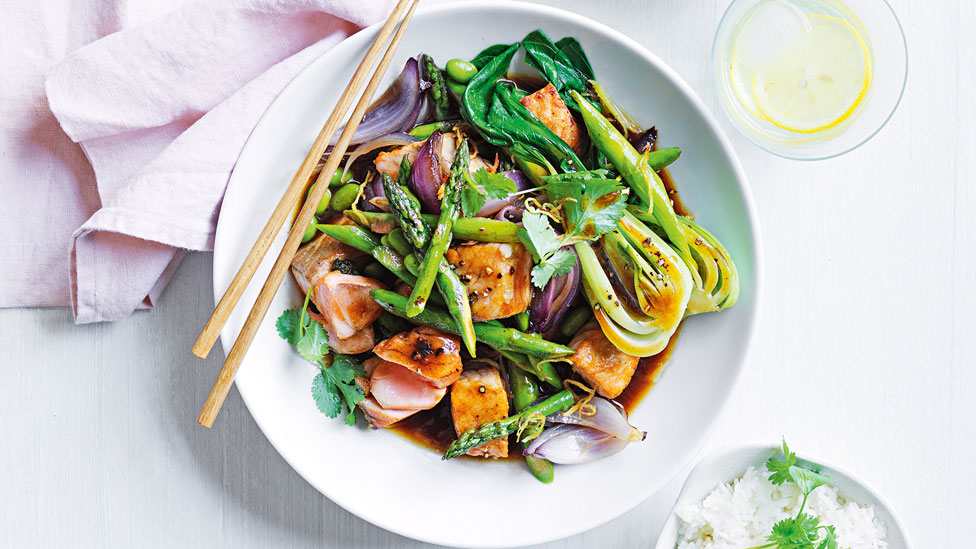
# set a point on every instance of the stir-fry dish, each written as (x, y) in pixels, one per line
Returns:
(496, 260)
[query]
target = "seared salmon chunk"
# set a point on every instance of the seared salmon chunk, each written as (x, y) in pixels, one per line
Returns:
(553, 112)
(431, 353)
(496, 276)
(479, 396)
(602, 365)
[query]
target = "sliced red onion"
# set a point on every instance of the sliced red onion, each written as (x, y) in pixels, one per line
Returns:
(610, 418)
(394, 139)
(580, 438)
(373, 190)
(572, 444)
(550, 305)
(397, 110)
(512, 212)
(494, 205)
(427, 174)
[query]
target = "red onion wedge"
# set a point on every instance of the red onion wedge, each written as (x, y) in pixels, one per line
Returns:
(581, 438)
(550, 305)
(427, 174)
(397, 110)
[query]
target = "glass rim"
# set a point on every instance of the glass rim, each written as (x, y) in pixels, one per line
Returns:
(844, 150)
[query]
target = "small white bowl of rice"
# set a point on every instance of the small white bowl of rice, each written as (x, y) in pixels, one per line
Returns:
(727, 502)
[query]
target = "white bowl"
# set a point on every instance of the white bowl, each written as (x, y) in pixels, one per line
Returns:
(727, 464)
(400, 486)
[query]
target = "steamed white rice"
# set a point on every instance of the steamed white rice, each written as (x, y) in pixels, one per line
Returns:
(742, 513)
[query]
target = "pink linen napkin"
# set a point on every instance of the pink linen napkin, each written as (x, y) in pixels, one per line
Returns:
(161, 111)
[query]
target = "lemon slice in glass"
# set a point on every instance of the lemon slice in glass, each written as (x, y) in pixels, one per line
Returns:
(817, 82)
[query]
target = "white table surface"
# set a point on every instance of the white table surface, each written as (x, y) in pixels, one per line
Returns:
(865, 355)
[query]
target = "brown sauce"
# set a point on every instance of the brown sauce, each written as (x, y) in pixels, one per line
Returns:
(646, 375)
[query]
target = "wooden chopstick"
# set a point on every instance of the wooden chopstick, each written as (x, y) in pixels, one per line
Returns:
(294, 192)
(222, 385)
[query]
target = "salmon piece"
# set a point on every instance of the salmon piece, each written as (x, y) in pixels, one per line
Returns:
(553, 112)
(389, 162)
(431, 353)
(359, 342)
(479, 396)
(378, 416)
(496, 276)
(314, 259)
(397, 388)
(602, 365)
(345, 303)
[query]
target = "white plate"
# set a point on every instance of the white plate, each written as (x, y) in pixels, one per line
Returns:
(407, 489)
(730, 463)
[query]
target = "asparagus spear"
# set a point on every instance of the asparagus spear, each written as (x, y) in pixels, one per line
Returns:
(406, 207)
(479, 229)
(406, 211)
(487, 432)
(491, 334)
(525, 392)
(441, 237)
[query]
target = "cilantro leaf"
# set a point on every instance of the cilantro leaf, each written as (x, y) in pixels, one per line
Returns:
(558, 264)
(830, 540)
(781, 469)
(342, 375)
(314, 343)
(289, 326)
(807, 480)
(472, 200)
(495, 185)
(326, 395)
(538, 236)
(789, 534)
(592, 203)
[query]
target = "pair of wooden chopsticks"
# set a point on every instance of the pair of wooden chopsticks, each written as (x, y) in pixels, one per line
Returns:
(288, 201)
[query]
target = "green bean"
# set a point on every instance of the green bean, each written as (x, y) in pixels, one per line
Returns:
(398, 241)
(525, 392)
(324, 203)
(456, 297)
(545, 371)
(440, 239)
(456, 87)
(479, 229)
(461, 71)
(345, 196)
(522, 321)
(575, 319)
(425, 131)
(412, 264)
(493, 335)
(385, 240)
(493, 430)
